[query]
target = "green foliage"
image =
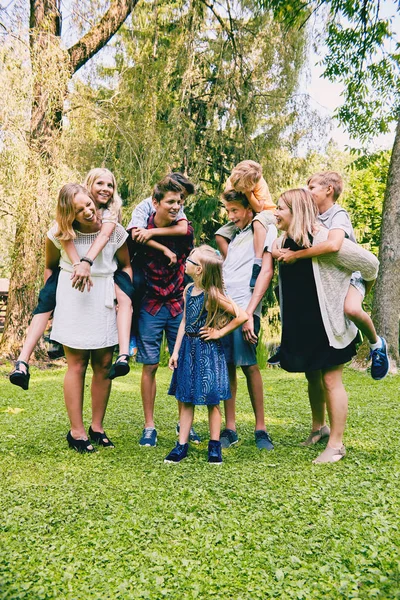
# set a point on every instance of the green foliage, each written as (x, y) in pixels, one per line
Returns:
(123, 525)
(191, 89)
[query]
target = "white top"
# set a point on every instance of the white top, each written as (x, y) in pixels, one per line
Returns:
(239, 262)
(87, 320)
(336, 217)
(142, 212)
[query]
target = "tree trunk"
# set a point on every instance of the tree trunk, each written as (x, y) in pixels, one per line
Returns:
(386, 307)
(52, 68)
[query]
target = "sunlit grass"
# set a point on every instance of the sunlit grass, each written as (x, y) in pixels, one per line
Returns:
(122, 524)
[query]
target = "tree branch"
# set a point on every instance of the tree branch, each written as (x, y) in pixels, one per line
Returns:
(100, 34)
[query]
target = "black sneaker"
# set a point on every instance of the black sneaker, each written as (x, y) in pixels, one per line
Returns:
(177, 454)
(275, 359)
(214, 452)
(254, 274)
(229, 437)
(380, 361)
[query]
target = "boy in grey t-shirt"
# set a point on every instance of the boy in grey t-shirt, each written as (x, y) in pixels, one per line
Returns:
(326, 188)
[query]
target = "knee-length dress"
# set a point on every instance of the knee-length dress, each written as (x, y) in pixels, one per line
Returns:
(87, 320)
(201, 376)
(305, 345)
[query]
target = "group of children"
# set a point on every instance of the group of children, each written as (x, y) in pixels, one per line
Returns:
(212, 324)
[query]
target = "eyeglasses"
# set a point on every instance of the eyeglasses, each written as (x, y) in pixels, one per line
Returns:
(192, 261)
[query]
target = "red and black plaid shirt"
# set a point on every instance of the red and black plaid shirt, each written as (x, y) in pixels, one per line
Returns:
(164, 284)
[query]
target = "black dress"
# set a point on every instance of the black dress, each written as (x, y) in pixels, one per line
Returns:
(305, 345)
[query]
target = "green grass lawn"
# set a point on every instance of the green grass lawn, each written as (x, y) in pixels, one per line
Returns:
(122, 524)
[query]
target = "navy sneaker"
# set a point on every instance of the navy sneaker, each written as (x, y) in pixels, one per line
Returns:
(380, 361)
(228, 438)
(214, 452)
(275, 359)
(177, 454)
(263, 441)
(193, 435)
(149, 437)
(254, 274)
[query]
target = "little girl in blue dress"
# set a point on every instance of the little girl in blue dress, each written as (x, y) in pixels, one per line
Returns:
(200, 371)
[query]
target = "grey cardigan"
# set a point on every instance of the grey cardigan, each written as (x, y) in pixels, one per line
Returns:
(332, 273)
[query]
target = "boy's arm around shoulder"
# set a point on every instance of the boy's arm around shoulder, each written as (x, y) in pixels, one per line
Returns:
(260, 198)
(332, 244)
(239, 317)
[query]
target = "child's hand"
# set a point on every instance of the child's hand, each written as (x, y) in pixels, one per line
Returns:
(81, 277)
(142, 235)
(288, 257)
(171, 257)
(173, 362)
(209, 333)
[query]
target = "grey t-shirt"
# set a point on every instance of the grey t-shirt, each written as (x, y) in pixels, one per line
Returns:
(337, 217)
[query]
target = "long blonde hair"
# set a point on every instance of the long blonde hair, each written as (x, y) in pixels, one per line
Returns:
(305, 213)
(115, 202)
(211, 281)
(65, 210)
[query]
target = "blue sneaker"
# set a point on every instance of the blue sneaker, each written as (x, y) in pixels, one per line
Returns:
(263, 441)
(214, 452)
(149, 437)
(380, 361)
(177, 454)
(229, 437)
(193, 435)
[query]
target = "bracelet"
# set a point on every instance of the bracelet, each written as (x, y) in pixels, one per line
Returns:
(76, 264)
(87, 259)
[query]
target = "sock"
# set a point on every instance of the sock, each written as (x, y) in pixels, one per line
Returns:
(258, 261)
(377, 345)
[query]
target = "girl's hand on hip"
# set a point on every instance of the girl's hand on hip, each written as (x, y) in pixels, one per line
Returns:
(209, 333)
(173, 362)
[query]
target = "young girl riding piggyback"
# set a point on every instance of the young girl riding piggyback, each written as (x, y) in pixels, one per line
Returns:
(200, 370)
(101, 184)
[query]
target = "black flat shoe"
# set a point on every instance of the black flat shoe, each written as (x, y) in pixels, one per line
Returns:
(82, 446)
(101, 439)
(19, 377)
(120, 367)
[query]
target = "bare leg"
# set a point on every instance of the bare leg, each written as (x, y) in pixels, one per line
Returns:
(337, 404)
(35, 331)
(124, 320)
(259, 238)
(148, 390)
(222, 244)
(187, 414)
(74, 381)
(101, 386)
(354, 311)
(214, 421)
(256, 392)
(230, 405)
(316, 395)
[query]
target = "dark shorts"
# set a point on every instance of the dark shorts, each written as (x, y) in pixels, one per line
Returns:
(150, 332)
(239, 352)
(47, 295)
(124, 282)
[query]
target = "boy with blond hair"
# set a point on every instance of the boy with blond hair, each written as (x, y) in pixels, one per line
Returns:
(247, 178)
(326, 187)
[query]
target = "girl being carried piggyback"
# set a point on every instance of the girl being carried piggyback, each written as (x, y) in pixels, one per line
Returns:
(200, 370)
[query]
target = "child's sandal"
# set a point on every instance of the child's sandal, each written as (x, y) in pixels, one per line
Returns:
(19, 377)
(120, 367)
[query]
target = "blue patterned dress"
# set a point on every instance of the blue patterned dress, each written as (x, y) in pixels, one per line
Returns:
(202, 374)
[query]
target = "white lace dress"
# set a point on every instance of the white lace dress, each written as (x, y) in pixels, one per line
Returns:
(87, 320)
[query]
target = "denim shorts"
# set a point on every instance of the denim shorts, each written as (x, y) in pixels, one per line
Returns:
(237, 350)
(358, 282)
(47, 295)
(150, 331)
